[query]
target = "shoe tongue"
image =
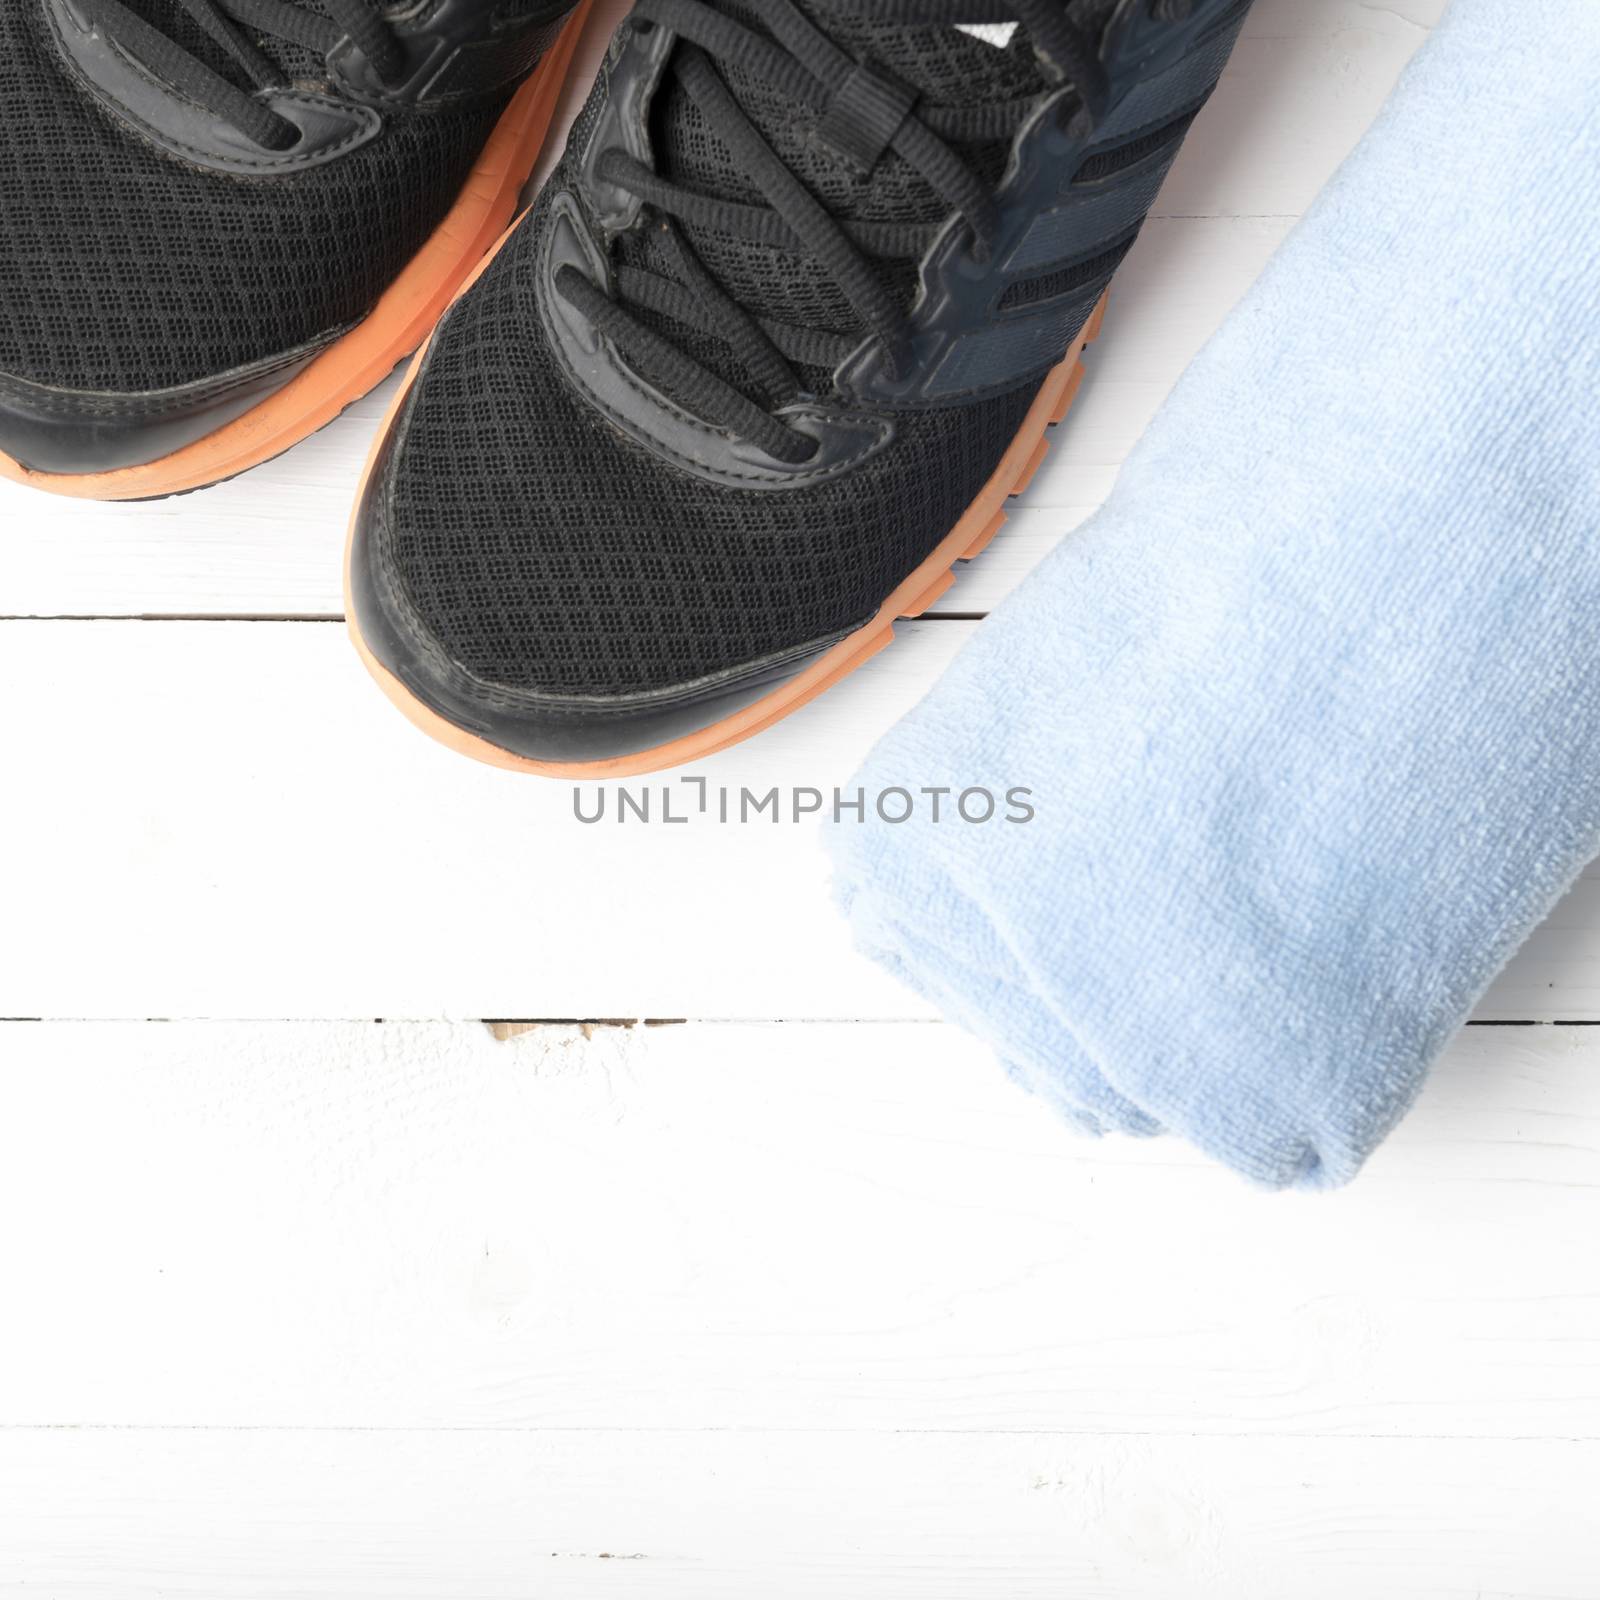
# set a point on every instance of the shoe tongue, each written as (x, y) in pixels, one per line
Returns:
(948, 66)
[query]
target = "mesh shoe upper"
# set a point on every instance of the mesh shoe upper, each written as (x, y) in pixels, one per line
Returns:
(124, 269)
(547, 551)
(522, 534)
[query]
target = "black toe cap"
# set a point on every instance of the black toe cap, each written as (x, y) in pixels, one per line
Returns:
(549, 728)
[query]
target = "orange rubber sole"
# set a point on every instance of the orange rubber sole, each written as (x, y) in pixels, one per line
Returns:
(390, 332)
(977, 526)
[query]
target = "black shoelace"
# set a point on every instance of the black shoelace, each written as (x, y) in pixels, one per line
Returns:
(220, 19)
(807, 66)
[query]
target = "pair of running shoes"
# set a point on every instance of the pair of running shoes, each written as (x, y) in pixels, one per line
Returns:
(766, 356)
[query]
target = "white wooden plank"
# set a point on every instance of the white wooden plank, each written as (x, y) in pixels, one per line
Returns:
(1305, 82)
(228, 820)
(247, 1516)
(780, 1227)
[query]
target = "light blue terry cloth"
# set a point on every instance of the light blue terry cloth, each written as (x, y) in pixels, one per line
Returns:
(1311, 709)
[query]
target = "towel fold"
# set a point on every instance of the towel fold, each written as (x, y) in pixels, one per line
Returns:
(1311, 709)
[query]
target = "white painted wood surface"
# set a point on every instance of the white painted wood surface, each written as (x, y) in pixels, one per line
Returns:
(769, 1226)
(804, 1309)
(226, 820)
(346, 1309)
(189, 1515)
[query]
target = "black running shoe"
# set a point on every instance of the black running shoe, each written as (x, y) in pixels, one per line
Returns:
(221, 221)
(782, 333)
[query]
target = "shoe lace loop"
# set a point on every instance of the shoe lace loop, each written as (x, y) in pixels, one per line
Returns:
(861, 113)
(224, 22)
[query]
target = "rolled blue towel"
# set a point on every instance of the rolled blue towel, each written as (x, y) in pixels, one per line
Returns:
(1311, 709)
